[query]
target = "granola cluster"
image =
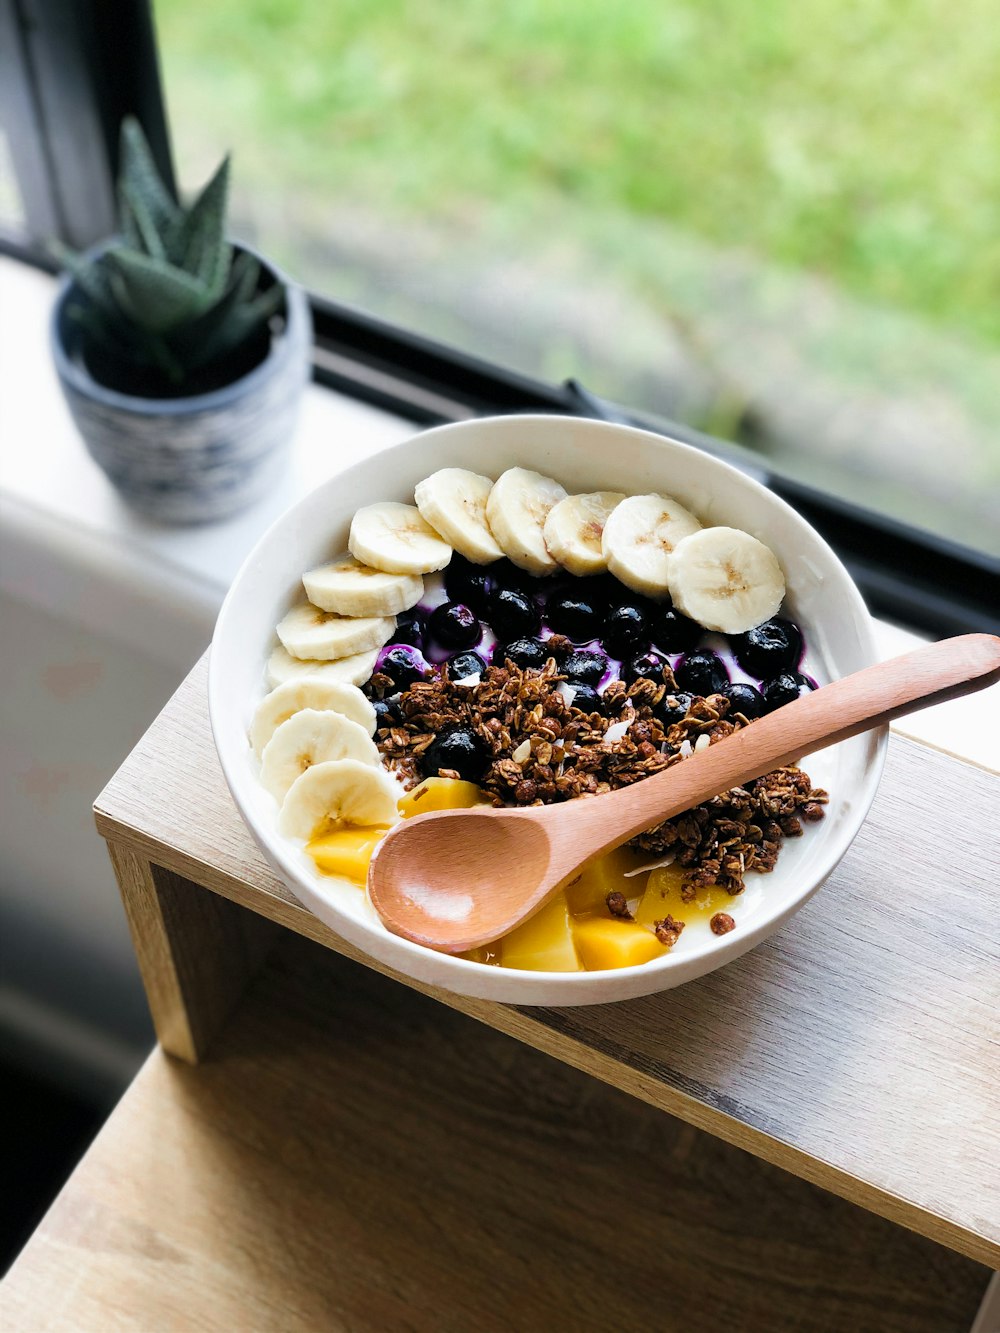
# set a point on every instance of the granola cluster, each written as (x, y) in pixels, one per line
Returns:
(541, 749)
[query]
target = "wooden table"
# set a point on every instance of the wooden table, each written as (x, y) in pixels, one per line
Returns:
(353, 1155)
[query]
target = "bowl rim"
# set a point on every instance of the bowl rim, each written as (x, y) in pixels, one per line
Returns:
(722, 949)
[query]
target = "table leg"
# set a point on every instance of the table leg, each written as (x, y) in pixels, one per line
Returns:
(197, 951)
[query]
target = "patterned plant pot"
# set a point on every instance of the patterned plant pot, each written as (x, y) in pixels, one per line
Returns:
(191, 460)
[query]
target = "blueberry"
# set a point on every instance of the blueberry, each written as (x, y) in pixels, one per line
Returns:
(410, 627)
(585, 667)
(468, 583)
(770, 648)
(465, 664)
(673, 707)
(454, 625)
(625, 631)
(647, 667)
(512, 614)
(746, 699)
(701, 673)
(586, 698)
(456, 748)
(574, 616)
(386, 713)
(674, 633)
(525, 653)
(403, 666)
(785, 688)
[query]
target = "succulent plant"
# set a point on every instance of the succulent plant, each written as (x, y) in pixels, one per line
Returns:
(168, 303)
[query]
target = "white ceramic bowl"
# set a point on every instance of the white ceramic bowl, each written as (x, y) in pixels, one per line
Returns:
(584, 456)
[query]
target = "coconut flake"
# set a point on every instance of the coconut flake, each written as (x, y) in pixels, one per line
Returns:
(616, 731)
(703, 742)
(667, 860)
(474, 679)
(522, 753)
(685, 748)
(567, 691)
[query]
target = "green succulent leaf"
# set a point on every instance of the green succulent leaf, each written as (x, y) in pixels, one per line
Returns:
(92, 280)
(138, 171)
(155, 295)
(137, 222)
(234, 321)
(202, 237)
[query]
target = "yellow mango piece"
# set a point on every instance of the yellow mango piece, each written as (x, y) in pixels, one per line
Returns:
(606, 942)
(441, 794)
(346, 850)
(663, 896)
(606, 875)
(543, 943)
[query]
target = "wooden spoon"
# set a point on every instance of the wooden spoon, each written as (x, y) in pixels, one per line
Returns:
(455, 879)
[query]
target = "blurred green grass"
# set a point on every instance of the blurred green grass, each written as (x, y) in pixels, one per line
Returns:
(857, 142)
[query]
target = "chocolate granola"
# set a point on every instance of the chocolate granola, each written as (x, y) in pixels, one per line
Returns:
(541, 749)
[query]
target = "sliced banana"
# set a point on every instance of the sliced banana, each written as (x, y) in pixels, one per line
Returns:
(309, 692)
(282, 666)
(453, 501)
(340, 789)
(396, 538)
(638, 538)
(516, 511)
(349, 588)
(312, 737)
(573, 530)
(725, 579)
(308, 632)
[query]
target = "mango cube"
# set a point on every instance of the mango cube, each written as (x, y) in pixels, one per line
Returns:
(603, 876)
(663, 897)
(441, 794)
(543, 943)
(346, 851)
(606, 942)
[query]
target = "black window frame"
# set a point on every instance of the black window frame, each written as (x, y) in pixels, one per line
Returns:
(71, 69)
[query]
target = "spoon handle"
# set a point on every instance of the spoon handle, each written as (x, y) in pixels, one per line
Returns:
(856, 703)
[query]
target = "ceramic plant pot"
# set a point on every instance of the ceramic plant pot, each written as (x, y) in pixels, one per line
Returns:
(194, 459)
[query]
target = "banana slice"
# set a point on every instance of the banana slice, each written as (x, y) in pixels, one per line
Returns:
(573, 530)
(453, 501)
(312, 737)
(516, 511)
(352, 589)
(340, 789)
(281, 667)
(309, 692)
(725, 579)
(395, 537)
(322, 636)
(638, 538)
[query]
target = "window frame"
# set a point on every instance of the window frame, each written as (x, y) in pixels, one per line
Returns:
(71, 69)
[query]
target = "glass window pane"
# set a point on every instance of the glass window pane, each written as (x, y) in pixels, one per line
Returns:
(779, 223)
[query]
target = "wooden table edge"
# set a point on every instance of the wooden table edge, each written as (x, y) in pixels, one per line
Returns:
(605, 1065)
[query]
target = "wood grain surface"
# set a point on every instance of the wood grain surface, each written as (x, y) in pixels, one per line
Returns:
(357, 1158)
(857, 1048)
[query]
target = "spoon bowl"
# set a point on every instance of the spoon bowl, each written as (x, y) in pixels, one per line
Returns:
(445, 874)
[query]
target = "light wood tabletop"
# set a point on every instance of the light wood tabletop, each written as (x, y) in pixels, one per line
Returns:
(354, 1158)
(857, 1048)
